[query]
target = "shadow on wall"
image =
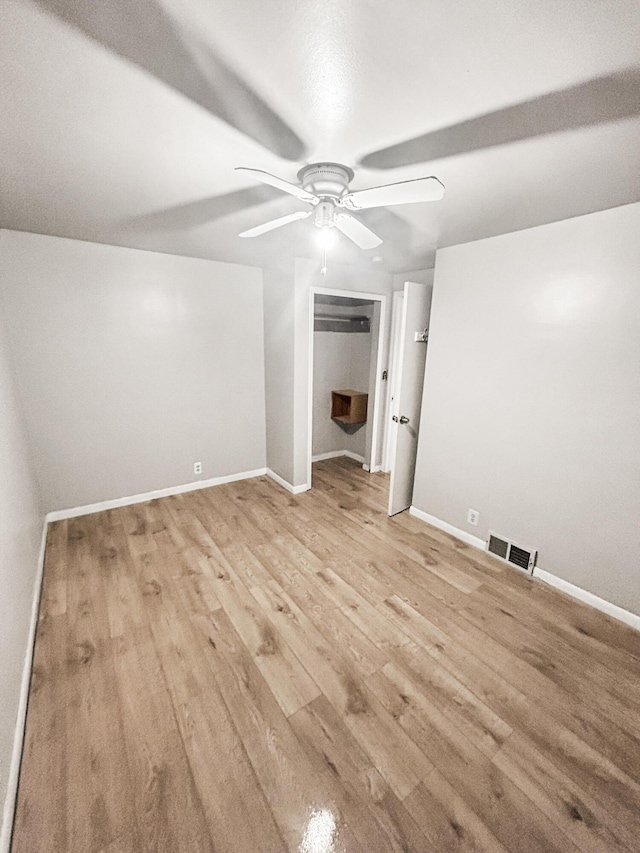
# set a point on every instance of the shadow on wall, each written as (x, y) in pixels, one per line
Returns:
(350, 429)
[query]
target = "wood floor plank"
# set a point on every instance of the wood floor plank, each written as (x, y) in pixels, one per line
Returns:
(387, 824)
(193, 585)
(327, 586)
(575, 812)
(125, 844)
(478, 722)
(374, 547)
(446, 819)
(409, 620)
(295, 788)
(290, 682)
(207, 730)
(238, 668)
(95, 749)
(168, 810)
(580, 717)
(415, 545)
(98, 792)
(546, 724)
(620, 690)
(139, 538)
(503, 808)
(564, 623)
(123, 598)
(397, 758)
(45, 755)
(319, 588)
(335, 626)
(589, 711)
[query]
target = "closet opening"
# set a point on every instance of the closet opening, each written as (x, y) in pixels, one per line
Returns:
(346, 377)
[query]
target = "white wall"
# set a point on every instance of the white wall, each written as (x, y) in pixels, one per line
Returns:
(531, 408)
(340, 360)
(20, 533)
(133, 365)
(279, 338)
(419, 276)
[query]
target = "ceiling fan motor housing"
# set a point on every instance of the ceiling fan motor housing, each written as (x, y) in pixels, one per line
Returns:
(326, 180)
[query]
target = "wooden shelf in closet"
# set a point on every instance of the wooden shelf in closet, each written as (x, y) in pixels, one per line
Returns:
(349, 407)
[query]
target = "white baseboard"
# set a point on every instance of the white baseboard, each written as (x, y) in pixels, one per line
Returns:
(333, 454)
(8, 811)
(589, 598)
(295, 490)
(553, 580)
(448, 528)
(88, 509)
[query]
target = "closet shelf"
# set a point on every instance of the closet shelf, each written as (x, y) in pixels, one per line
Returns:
(349, 406)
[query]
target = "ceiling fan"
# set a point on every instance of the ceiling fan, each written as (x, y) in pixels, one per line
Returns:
(325, 186)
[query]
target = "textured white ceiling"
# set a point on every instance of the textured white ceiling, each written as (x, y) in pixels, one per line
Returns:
(122, 120)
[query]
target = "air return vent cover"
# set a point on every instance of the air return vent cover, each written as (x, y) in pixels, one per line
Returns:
(523, 558)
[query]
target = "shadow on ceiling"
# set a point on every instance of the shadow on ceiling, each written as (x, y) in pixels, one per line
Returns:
(142, 33)
(599, 101)
(403, 245)
(196, 213)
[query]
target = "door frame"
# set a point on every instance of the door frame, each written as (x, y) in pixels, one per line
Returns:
(395, 361)
(378, 402)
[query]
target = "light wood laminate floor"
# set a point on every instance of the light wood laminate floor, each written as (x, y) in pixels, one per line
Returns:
(241, 670)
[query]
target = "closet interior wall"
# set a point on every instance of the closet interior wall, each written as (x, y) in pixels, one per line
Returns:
(341, 360)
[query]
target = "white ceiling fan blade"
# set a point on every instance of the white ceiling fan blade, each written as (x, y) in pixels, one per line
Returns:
(285, 186)
(275, 223)
(356, 231)
(404, 192)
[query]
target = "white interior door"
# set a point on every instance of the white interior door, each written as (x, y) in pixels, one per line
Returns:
(390, 434)
(405, 410)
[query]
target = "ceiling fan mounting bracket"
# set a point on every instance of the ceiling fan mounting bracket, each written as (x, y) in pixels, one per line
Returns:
(326, 180)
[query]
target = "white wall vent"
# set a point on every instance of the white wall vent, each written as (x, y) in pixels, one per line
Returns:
(522, 558)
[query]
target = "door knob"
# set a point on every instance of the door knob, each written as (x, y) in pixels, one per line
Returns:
(404, 420)
(394, 418)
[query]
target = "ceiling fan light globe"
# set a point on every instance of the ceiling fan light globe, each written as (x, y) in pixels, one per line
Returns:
(326, 237)
(325, 214)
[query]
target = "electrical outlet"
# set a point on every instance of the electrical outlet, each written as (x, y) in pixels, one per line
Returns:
(473, 517)
(197, 467)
